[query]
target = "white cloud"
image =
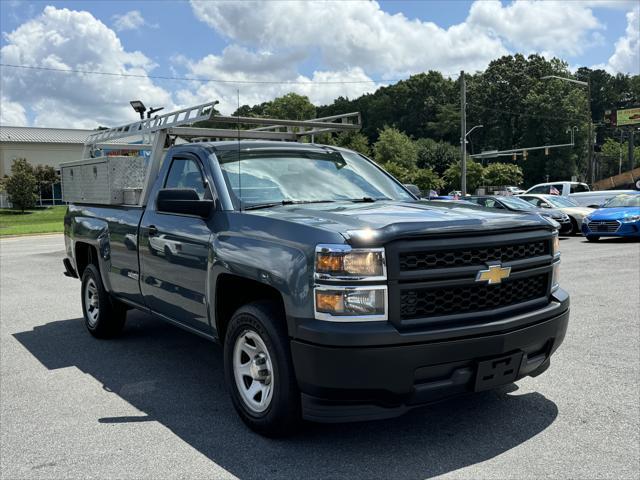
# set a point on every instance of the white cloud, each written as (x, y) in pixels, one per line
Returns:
(12, 113)
(128, 21)
(237, 65)
(558, 27)
(66, 39)
(626, 58)
(349, 34)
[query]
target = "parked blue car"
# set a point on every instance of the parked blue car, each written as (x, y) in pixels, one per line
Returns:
(619, 217)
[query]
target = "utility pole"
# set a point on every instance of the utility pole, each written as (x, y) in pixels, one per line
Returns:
(591, 171)
(463, 134)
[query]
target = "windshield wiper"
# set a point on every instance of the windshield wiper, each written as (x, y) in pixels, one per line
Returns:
(284, 202)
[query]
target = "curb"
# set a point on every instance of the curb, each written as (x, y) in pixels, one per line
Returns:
(27, 235)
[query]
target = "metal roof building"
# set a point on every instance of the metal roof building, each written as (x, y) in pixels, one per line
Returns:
(42, 135)
(43, 146)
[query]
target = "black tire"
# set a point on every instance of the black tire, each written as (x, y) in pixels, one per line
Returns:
(111, 314)
(574, 227)
(593, 238)
(282, 415)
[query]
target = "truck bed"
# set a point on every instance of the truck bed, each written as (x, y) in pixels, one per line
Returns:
(114, 232)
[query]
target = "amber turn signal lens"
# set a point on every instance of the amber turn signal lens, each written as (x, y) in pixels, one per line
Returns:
(329, 302)
(326, 262)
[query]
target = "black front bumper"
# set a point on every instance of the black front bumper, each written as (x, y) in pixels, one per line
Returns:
(365, 382)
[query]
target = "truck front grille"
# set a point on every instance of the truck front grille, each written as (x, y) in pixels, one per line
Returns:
(438, 301)
(604, 226)
(471, 256)
(432, 281)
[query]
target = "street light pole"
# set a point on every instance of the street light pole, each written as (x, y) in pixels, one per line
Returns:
(590, 169)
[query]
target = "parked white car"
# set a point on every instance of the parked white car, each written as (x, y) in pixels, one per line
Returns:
(595, 199)
(566, 205)
(576, 191)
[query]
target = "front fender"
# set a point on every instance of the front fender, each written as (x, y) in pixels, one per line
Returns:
(278, 264)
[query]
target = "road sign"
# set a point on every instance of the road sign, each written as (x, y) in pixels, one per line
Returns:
(629, 116)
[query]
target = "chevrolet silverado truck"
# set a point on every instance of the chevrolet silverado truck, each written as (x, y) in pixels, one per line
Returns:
(336, 293)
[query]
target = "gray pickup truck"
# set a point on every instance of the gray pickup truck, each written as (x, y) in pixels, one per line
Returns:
(336, 293)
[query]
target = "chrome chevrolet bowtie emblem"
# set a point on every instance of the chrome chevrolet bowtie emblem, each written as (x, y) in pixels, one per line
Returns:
(493, 275)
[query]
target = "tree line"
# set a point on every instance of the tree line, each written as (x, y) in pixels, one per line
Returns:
(413, 127)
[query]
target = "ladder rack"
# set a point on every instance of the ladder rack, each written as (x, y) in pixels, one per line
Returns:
(152, 125)
(155, 134)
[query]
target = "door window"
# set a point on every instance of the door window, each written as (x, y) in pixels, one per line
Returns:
(579, 187)
(186, 173)
(556, 189)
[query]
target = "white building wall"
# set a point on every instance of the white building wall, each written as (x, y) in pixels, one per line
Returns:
(52, 154)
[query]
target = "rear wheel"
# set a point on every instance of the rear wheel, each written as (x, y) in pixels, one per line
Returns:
(104, 317)
(593, 238)
(259, 371)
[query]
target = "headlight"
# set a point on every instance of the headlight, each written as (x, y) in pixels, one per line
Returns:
(547, 218)
(341, 262)
(631, 218)
(555, 277)
(351, 304)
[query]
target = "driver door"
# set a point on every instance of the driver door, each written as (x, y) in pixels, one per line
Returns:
(174, 251)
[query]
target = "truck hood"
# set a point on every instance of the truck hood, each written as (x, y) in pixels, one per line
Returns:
(383, 221)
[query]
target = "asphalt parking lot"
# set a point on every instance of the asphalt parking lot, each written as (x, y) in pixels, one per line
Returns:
(153, 403)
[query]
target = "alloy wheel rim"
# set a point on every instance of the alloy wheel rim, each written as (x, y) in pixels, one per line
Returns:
(253, 371)
(91, 302)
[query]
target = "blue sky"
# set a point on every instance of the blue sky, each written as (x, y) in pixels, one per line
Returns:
(302, 45)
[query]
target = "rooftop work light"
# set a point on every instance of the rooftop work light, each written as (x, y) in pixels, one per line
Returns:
(139, 107)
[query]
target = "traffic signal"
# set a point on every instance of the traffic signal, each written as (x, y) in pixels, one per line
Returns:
(610, 117)
(525, 154)
(546, 151)
(515, 157)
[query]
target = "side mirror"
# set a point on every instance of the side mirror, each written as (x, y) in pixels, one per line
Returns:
(183, 201)
(546, 205)
(413, 189)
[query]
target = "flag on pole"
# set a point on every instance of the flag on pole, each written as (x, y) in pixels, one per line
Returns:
(553, 190)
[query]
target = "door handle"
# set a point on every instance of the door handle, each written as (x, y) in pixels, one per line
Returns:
(152, 230)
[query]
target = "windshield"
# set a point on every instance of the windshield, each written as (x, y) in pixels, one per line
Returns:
(624, 201)
(277, 176)
(516, 203)
(559, 202)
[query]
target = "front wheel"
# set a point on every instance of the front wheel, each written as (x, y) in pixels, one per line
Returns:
(575, 230)
(104, 317)
(593, 238)
(259, 371)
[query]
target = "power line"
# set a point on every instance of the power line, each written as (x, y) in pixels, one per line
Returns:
(197, 79)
